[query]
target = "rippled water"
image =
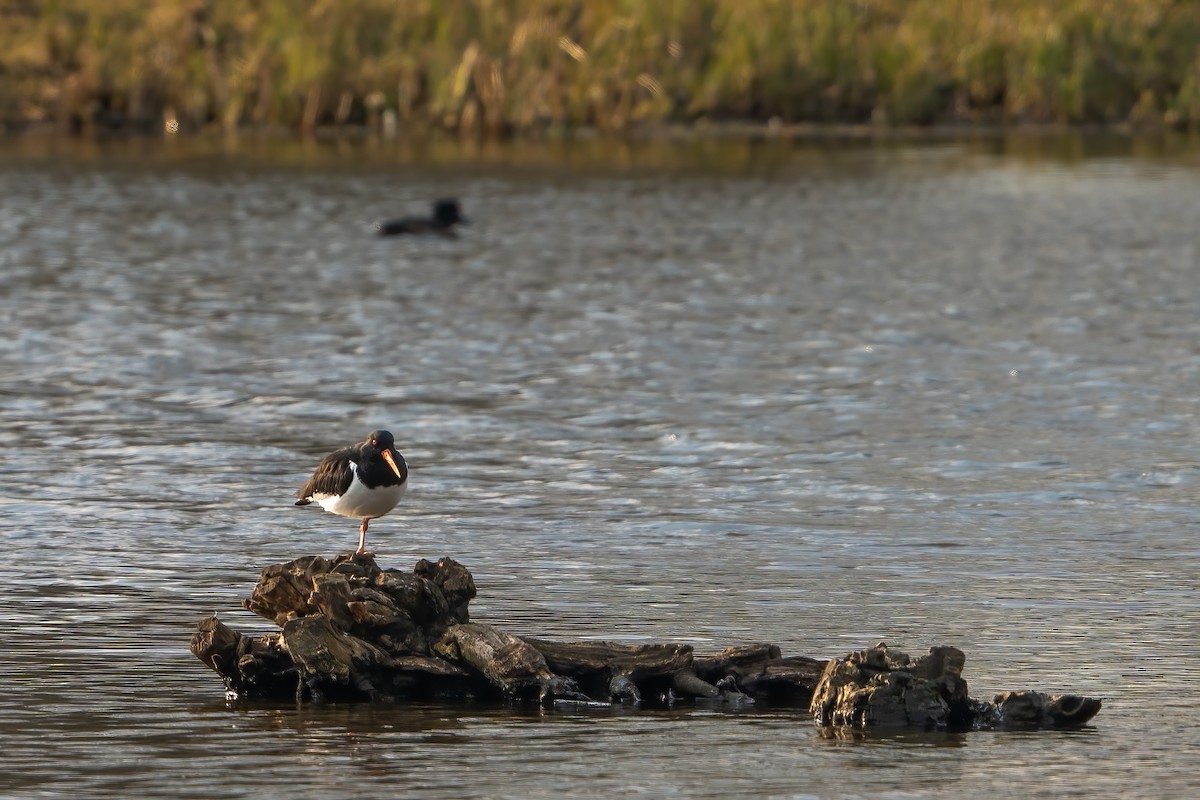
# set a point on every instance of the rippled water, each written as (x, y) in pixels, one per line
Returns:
(715, 393)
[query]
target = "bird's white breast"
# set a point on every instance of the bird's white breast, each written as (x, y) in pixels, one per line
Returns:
(359, 501)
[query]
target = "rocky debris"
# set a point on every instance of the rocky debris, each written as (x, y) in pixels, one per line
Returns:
(885, 688)
(1030, 709)
(351, 631)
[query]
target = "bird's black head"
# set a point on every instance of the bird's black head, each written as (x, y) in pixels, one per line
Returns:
(384, 446)
(381, 440)
(446, 212)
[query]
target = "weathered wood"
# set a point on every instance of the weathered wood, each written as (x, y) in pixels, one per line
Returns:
(215, 643)
(762, 673)
(788, 682)
(249, 667)
(623, 690)
(638, 661)
(455, 582)
(282, 590)
(1029, 709)
(436, 667)
(352, 631)
(594, 665)
(507, 662)
(685, 682)
(328, 659)
(884, 688)
(736, 660)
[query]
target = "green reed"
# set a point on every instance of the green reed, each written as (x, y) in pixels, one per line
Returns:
(507, 66)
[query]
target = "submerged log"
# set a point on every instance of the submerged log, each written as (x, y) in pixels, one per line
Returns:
(626, 672)
(1030, 709)
(353, 631)
(509, 663)
(249, 667)
(885, 688)
(764, 674)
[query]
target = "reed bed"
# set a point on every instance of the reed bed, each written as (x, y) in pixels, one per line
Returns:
(502, 67)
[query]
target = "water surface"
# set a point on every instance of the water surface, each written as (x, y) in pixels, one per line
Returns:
(718, 393)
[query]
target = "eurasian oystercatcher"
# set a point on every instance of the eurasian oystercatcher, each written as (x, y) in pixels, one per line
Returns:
(446, 215)
(364, 480)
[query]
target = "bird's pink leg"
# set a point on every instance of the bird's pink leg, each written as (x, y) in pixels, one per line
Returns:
(362, 536)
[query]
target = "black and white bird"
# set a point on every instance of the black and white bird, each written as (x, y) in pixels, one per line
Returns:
(365, 480)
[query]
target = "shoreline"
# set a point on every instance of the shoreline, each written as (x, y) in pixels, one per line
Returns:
(730, 148)
(736, 130)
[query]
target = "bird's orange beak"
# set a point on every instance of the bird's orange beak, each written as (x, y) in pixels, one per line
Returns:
(387, 456)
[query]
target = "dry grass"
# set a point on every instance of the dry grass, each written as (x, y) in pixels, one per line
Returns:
(504, 66)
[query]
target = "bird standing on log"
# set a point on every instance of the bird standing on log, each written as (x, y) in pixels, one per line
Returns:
(365, 480)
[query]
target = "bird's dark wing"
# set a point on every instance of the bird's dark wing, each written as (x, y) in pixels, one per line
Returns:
(395, 227)
(332, 477)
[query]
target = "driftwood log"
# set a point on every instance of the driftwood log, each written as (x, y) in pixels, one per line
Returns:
(350, 631)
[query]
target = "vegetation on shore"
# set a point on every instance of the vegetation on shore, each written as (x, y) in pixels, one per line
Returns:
(513, 66)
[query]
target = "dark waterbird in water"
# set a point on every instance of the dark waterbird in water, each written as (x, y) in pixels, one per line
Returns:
(446, 215)
(365, 480)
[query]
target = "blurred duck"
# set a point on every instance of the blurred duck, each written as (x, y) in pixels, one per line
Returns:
(446, 215)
